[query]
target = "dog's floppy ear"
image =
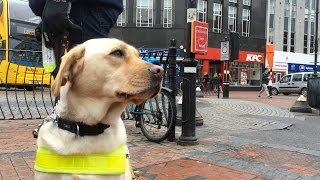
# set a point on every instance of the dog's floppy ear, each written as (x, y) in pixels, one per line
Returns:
(71, 64)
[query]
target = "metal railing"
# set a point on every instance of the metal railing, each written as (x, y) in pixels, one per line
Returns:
(25, 88)
(24, 93)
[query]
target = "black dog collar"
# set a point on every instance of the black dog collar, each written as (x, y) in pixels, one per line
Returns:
(81, 129)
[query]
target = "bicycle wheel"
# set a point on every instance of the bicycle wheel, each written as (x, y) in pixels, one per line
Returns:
(156, 116)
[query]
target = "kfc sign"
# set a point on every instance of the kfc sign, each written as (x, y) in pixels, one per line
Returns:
(254, 58)
(249, 56)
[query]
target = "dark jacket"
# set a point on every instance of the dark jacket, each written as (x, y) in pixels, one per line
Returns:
(265, 78)
(38, 5)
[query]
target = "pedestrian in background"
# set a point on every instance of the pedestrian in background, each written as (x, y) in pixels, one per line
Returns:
(265, 81)
(270, 84)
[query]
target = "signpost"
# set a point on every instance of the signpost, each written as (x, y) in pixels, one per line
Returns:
(224, 51)
(199, 37)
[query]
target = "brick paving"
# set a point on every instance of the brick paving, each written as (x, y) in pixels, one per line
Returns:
(218, 156)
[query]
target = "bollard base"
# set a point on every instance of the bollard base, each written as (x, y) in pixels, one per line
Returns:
(198, 118)
(187, 141)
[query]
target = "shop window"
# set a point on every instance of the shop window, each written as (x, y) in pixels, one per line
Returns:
(245, 74)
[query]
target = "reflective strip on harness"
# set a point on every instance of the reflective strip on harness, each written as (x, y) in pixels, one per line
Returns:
(113, 163)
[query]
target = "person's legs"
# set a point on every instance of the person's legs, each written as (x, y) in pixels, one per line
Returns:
(266, 89)
(270, 90)
(262, 89)
(95, 21)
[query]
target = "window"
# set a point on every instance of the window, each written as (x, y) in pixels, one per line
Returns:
(306, 77)
(144, 13)
(217, 17)
(311, 44)
(297, 77)
(271, 21)
(307, 4)
(285, 41)
(286, 79)
(286, 26)
(305, 44)
(247, 2)
(167, 13)
(313, 4)
(246, 22)
(245, 74)
(232, 19)
(202, 10)
(292, 37)
(122, 19)
(234, 1)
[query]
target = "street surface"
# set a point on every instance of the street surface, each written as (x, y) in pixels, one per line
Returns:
(243, 137)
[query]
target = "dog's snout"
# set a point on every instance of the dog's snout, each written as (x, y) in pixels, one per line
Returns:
(156, 70)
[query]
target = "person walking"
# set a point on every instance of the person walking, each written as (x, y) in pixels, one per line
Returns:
(265, 81)
(270, 85)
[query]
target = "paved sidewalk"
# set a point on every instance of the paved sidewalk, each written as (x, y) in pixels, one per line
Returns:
(225, 151)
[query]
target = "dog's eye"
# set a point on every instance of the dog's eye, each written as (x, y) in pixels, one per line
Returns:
(118, 53)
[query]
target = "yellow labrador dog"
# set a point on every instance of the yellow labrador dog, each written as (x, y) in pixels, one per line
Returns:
(86, 139)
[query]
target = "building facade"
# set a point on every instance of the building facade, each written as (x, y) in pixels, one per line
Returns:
(152, 23)
(292, 29)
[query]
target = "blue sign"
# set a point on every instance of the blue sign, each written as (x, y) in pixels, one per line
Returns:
(145, 50)
(292, 68)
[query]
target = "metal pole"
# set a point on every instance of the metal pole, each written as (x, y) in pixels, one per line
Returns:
(316, 41)
(172, 81)
(188, 131)
(226, 82)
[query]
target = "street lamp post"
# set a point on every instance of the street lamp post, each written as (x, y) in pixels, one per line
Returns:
(316, 41)
(188, 131)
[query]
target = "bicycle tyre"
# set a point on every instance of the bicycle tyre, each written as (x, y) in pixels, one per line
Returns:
(147, 118)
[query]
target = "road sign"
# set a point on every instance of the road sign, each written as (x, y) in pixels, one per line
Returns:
(224, 51)
(199, 37)
(191, 14)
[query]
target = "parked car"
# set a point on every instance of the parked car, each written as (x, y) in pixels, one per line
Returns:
(292, 83)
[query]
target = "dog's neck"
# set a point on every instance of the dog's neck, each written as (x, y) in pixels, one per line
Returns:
(88, 110)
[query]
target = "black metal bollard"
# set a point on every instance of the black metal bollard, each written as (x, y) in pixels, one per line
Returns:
(313, 92)
(172, 82)
(226, 85)
(188, 122)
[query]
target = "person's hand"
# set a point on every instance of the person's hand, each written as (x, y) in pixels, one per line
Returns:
(56, 21)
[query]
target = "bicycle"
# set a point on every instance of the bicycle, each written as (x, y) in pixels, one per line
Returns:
(155, 116)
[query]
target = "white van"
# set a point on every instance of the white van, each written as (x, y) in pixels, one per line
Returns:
(292, 83)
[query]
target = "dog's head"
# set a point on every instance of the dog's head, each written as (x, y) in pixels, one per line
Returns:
(108, 68)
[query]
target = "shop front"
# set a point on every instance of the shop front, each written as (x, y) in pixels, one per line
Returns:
(294, 68)
(243, 74)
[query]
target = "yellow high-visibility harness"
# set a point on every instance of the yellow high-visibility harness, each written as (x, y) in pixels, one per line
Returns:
(112, 163)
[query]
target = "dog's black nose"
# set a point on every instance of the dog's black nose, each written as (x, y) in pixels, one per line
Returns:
(156, 70)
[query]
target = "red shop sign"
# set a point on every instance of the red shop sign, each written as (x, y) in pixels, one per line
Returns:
(247, 56)
(199, 37)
